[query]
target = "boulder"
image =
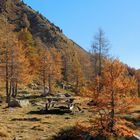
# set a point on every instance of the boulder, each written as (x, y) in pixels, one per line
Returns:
(46, 92)
(136, 137)
(18, 103)
(24, 103)
(14, 103)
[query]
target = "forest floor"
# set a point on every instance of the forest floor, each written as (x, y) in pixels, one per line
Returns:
(33, 123)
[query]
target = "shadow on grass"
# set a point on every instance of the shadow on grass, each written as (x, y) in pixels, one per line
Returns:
(31, 97)
(73, 133)
(135, 121)
(26, 119)
(137, 111)
(55, 111)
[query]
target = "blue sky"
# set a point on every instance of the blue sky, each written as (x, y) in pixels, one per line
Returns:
(80, 20)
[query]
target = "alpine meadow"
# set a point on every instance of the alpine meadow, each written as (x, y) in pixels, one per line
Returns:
(51, 88)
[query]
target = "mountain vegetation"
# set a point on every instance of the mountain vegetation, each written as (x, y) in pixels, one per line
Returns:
(39, 63)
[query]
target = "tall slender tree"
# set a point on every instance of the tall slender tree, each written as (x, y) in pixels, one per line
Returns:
(14, 67)
(43, 66)
(54, 68)
(25, 37)
(76, 76)
(19, 67)
(99, 51)
(49, 67)
(5, 42)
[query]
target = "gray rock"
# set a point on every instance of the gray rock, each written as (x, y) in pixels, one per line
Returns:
(18, 103)
(136, 137)
(17, 138)
(24, 103)
(46, 92)
(14, 103)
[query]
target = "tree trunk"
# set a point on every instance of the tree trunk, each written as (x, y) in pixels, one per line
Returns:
(8, 99)
(7, 79)
(77, 85)
(11, 92)
(14, 90)
(7, 90)
(112, 113)
(50, 85)
(100, 53)
(44, 78)
(44, 84)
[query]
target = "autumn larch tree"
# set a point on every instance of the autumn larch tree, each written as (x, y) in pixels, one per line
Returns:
(99, 54)
(99, 51)
(5, 42)
(43, 66)
(50, 67)
(66, 63)
(117, 97)
(54, 67)
(19, 67)
(76, 75)
(25, 37)
(14, 67)
(73, 72)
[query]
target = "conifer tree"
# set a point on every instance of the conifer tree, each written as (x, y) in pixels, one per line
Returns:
(14, 67)
(50, 67)
(72, 69)
(25, 37)
(76, 75)
(99, 51)
(117, 97)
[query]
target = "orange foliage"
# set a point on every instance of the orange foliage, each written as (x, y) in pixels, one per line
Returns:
(49, 66)
(14, 66)
(114, 93)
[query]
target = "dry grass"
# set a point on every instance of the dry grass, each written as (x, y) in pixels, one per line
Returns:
(4, 132)
(32, 123)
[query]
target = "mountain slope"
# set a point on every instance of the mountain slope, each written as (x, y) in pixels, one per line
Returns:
(20, 15)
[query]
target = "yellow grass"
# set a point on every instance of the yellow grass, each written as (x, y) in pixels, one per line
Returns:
(21, 123)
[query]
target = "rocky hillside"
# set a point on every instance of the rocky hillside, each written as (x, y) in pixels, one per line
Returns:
(20, 15)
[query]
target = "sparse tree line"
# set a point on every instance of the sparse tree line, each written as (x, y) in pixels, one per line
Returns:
(24, 60)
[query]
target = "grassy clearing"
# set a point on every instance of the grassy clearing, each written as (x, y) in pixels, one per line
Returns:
(33, 123)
